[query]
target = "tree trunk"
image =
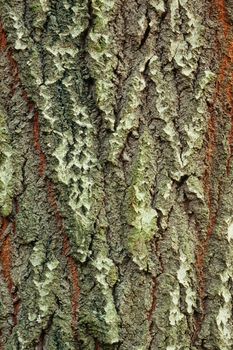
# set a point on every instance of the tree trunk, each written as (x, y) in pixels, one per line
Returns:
(116, 141)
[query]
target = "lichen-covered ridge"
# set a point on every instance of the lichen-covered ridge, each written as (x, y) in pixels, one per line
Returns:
(115, 174)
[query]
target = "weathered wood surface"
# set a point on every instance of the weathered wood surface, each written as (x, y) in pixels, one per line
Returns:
(116, 143)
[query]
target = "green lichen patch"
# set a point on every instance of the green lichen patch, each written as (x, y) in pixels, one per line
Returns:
(103, 60)
(130, 114)
(140, 215)
(6, 168)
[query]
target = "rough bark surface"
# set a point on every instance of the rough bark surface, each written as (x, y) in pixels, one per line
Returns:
(116, 144)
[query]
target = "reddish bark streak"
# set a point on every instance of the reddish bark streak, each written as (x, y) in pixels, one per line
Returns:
(66, 251)
(5, 259)
(223, 16)
(31, 107)
(3, 42)
(5, 255)
(203, 248)
(97, 345)
(223, 90)
(209, 156)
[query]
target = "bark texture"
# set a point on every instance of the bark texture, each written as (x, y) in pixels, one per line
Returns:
(116, 142)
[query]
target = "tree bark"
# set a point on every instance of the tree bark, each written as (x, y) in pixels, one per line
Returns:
(116, 143)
